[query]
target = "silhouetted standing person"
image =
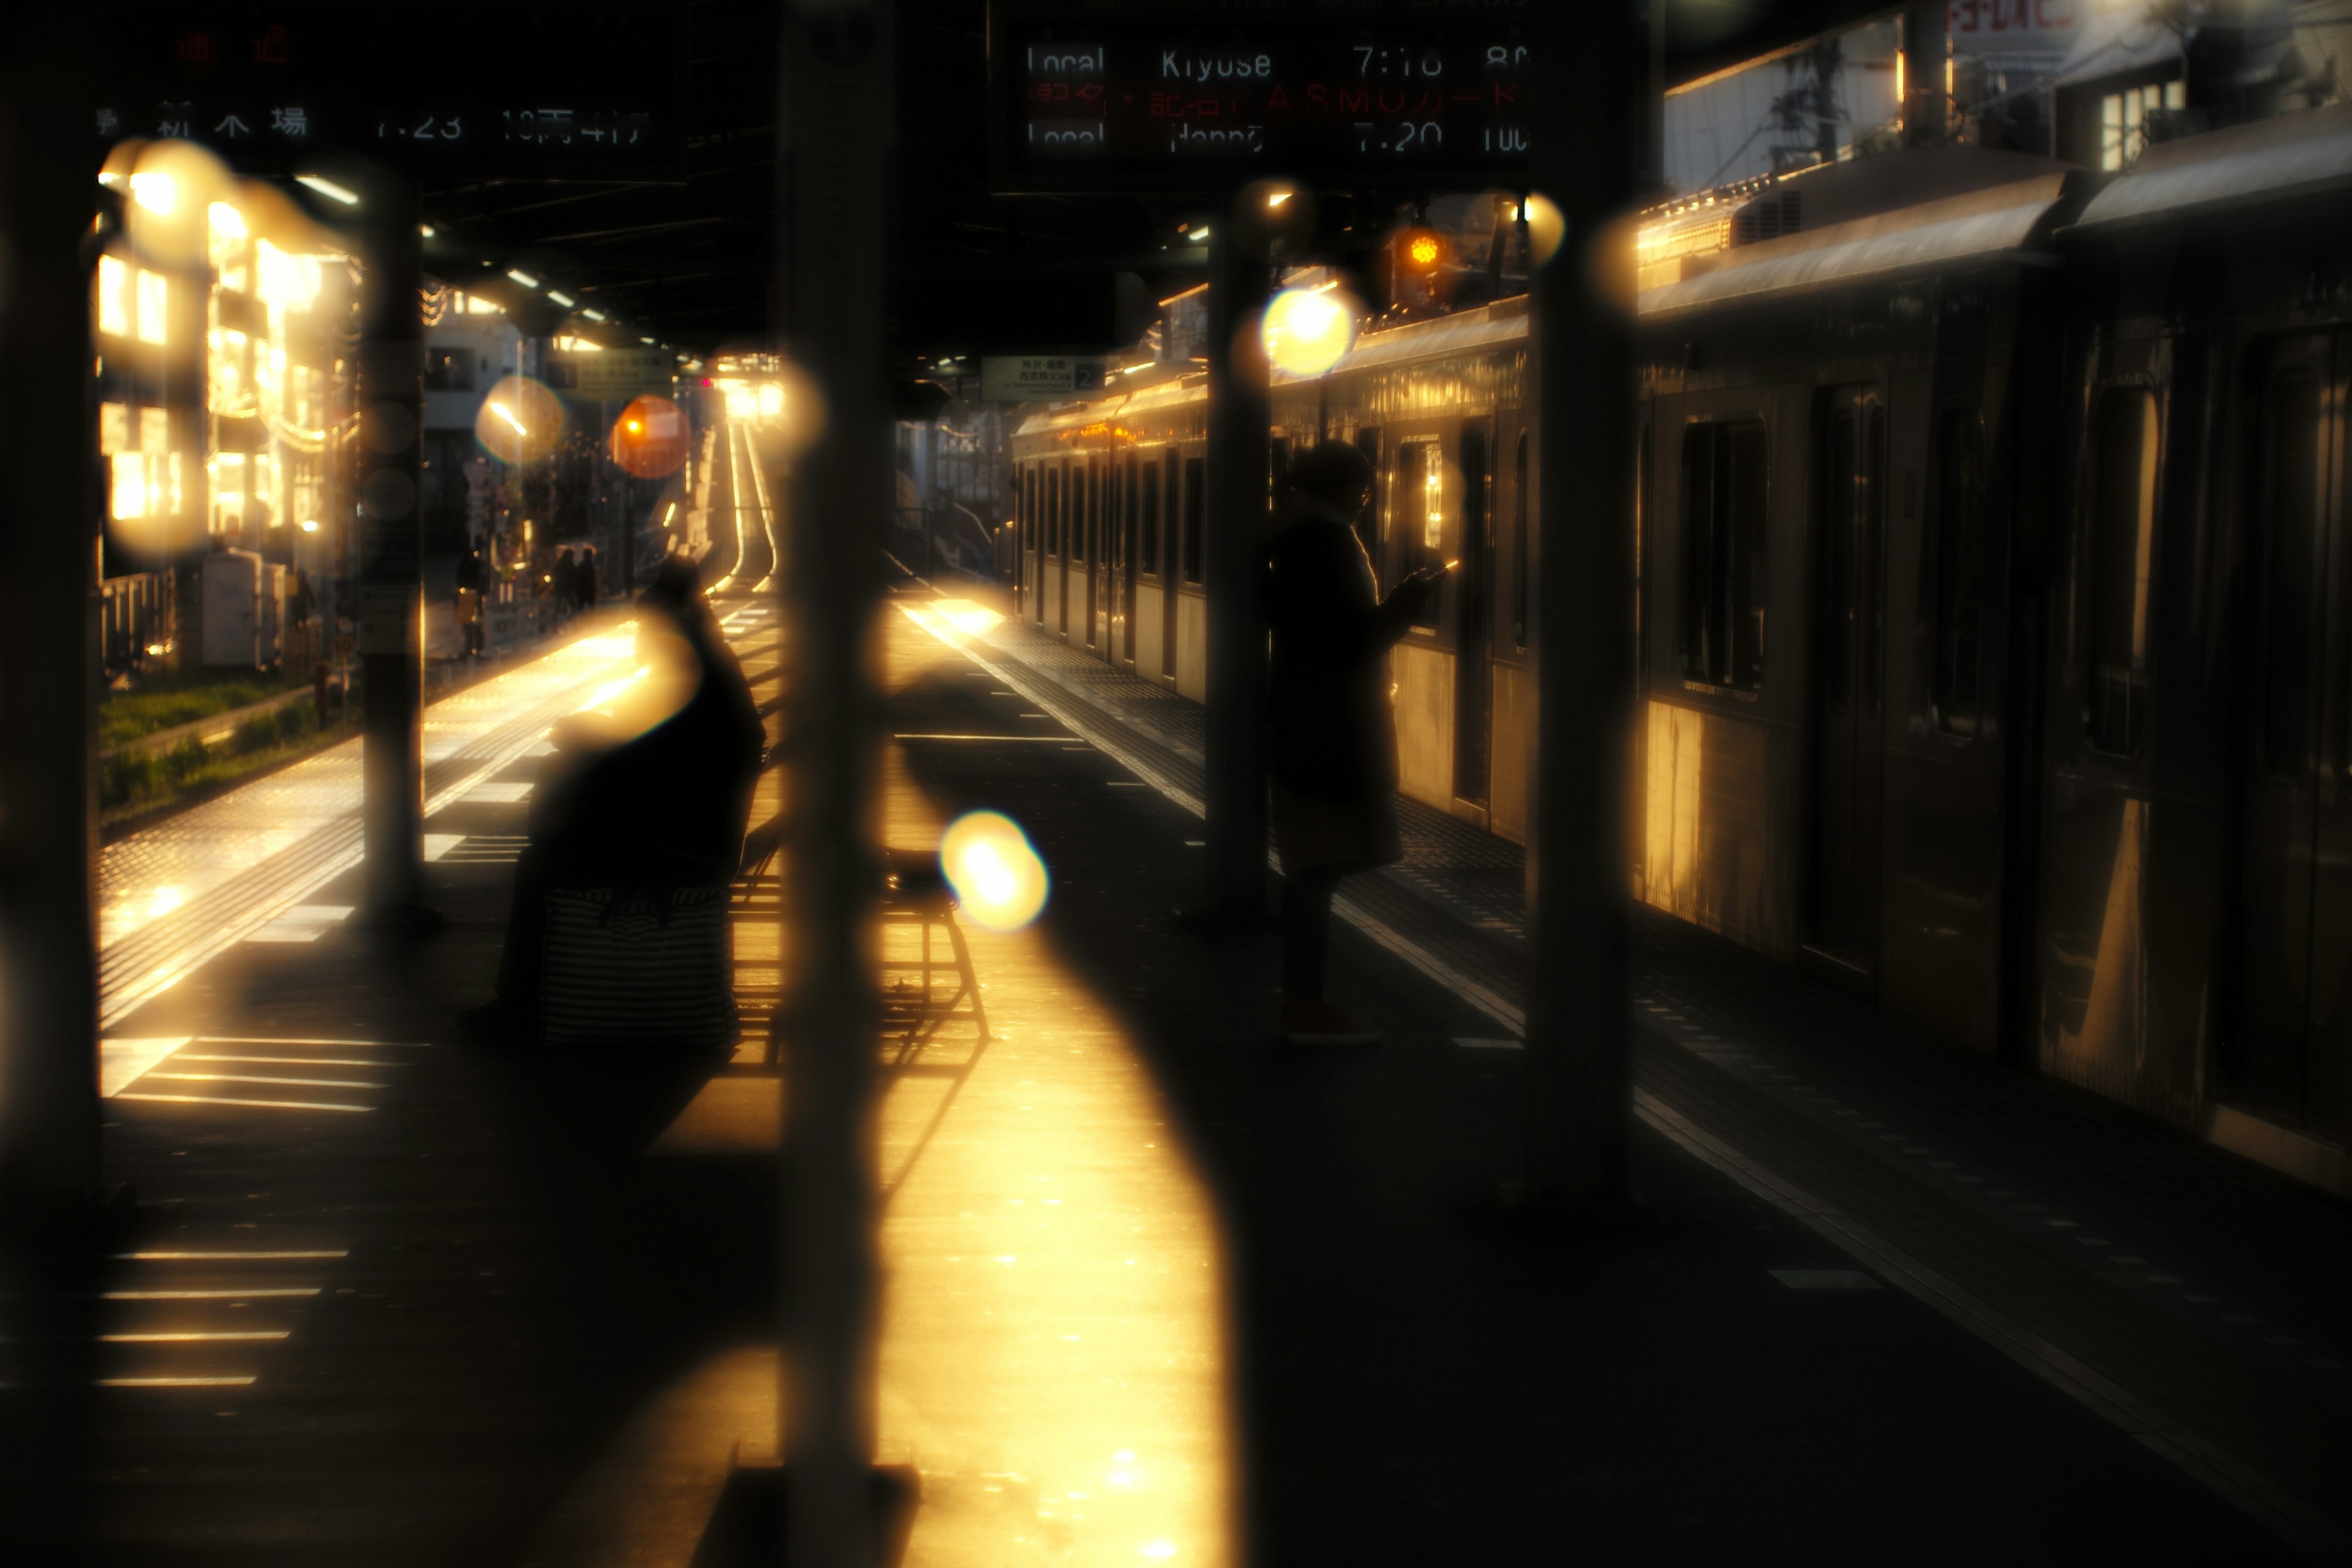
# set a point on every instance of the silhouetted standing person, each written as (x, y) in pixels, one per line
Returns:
(653, 795)
(583, 579)
(469, 601)
(559, 588)
(1332, 741)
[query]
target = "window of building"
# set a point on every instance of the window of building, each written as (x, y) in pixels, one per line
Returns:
(155, 307)
(1958, 553)
(1522, 569)
(449, 370)
(1196, 473)
(2293, 482)
(1725, 576)
(2123, 545)
(2124, 116)
(113, 297)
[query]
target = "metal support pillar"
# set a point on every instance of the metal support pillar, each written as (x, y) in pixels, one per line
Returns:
(48, 637)
(1235, 571)
(1589, 149)
(835, 122)
(391, 563)
(1926, 50)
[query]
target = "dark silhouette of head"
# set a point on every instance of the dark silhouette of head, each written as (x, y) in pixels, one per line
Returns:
(1333, 472)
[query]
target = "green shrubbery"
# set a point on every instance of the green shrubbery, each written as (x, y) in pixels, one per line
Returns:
(132, 780)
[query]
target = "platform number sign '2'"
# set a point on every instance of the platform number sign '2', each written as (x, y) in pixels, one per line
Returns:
(1133, 100)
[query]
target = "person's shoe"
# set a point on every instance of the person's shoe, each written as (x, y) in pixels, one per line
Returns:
(1322, 1024)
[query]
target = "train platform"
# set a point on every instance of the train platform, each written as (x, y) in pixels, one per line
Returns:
(1157, 1289)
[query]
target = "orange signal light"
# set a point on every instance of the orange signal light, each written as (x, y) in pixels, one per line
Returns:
(1422, 251)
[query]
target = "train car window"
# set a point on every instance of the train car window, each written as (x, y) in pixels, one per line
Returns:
(1520, 564)
(2290, 511)
(1417, 533)
(2123, 544)
(1368, 525)
(1958, 553)
(1147, 542)
(1083, 485)
(1195, 514)
(1028, 508)
(1053, 512)
(1838, 607)
(1724, 577)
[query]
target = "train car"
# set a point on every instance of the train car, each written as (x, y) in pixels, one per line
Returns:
(2196, 912)
(1839, 428)
(1442, 407)
(1994, 597)
(1112, 509)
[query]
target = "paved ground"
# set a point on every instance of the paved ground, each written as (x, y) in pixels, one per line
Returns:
(1159, 1289)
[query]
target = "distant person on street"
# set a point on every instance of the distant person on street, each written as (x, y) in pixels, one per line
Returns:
(652, 794)
(298, 602)
(1331, 733)
(559, 587)
(583, 579)
(469, 602)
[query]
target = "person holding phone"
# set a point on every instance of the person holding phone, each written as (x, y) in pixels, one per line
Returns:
(1331, 743)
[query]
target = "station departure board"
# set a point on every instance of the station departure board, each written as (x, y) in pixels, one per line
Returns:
(1124, 98)
(586, 89)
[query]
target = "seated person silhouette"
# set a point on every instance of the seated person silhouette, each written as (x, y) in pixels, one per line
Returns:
(647, 791)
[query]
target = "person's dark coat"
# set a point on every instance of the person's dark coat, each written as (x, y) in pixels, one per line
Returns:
(584, 580)
(1331, 730)
(559, 585)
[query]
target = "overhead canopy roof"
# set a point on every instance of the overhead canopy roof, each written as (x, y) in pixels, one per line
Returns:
(2289, 157)
(1981, 225)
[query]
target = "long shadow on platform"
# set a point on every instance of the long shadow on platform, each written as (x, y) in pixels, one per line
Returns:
(1417, 1380)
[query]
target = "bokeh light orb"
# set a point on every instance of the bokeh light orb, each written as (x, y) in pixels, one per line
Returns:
(1546, 227)
(1308, 331)
(519, 421)
(999, 880)
(650, 439)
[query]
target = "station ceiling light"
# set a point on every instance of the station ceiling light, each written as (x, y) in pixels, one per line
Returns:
(328, 189)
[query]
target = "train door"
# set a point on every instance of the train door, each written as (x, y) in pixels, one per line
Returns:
(1061, 549)
(2289, 1047)
(1172, 534)
(1849, 537)
(1474, 690)
(1130, 498)
(1089, 548)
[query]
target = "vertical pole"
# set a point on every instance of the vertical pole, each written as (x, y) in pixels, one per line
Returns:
(392, 603)
(48, 629)
(1925, 52)
(1589, 146)
(835, 123)
(1235, 570)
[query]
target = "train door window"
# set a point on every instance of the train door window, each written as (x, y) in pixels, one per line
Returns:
(1417, 531)
(1148, 536)
(2293, 485)
(1522, 569)
(1368, 523)
(1028, 508)
(1053, 512)
(1958, 550)
(2122, 546)
(1195, 514)
(1724, 577)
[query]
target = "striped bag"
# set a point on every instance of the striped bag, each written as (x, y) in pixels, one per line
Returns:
(637, 968)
